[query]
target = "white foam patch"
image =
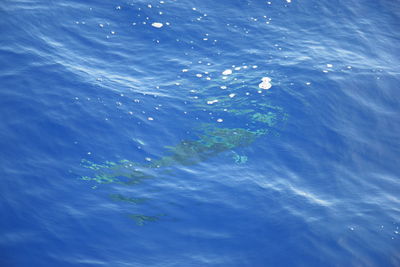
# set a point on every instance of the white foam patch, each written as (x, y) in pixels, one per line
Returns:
(212, 101)
(157, 24)
(265, 83)
(227, 72)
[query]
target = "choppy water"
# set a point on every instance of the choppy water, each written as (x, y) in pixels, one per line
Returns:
(124, 144)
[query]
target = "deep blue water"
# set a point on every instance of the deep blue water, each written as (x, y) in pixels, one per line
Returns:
(305, 173)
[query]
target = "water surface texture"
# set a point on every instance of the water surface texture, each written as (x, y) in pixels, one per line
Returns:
(199, 133)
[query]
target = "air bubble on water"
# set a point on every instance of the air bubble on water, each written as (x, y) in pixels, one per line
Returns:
(232, 95)
(220, 120)
(150, 119)
(223, 87)
(199, 75)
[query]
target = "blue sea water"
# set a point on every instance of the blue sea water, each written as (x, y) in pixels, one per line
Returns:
(124, 144)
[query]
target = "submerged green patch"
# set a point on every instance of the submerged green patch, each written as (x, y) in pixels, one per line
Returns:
(257, 118)
(143, 219)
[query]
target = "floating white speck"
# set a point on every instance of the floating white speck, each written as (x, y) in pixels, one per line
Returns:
(220, 120)
(289, 1)
(237, 68)
(227, 72)
(157, 24)
(223, 87)
(148, 159)
(265, 84)
(255, 67)
(308, 83)
(329, 65)
(232, 95)
(199, 75)
(212, 101)
(150, 119)
(266, 79)
(185, 70)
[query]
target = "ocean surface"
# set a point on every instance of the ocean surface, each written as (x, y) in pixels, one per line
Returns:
(199, 133)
